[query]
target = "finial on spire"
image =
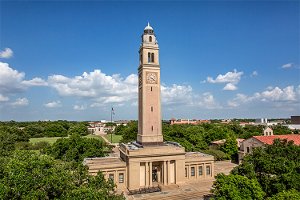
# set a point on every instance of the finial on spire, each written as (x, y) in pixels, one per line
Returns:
(148, 27)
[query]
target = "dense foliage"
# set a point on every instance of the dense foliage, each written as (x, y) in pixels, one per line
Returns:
(30, 175)
(128, 132)
(276, 169)
(76, 148)
(236, 187)
(59, 128)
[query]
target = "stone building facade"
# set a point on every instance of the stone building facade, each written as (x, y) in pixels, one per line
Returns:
(150, 161)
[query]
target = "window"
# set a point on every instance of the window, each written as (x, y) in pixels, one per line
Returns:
(192, 171)
(200, 170)
(207, 170)
(185, 172)
(152, 128)
(141, 58)
(149, 57)
(150, 39)
(151, 108)
(111, 177)
(121, 178)
(151, 89)
(248, 149)
(152, 57)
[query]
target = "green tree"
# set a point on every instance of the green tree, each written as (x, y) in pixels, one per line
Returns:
(236, 187)
(286, 195)
(35, 130)
(230, 147)
(76, 148)
(55, 130)
(7, 143)
(29, 175)
(276, 167)
(129, 133)
(78, 128)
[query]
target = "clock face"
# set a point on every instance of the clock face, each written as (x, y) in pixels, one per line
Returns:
(151, 78)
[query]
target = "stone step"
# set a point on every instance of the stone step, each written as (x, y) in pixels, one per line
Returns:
(180, 196)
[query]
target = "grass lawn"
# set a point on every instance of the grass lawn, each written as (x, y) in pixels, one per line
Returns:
(51, 140)
(94, 136)
(115, 138)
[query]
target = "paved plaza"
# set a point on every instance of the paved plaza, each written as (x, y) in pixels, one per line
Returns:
(188, 191)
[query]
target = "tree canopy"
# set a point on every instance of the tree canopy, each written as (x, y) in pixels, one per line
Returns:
(30, 175)
(236, 187)
(76, 148)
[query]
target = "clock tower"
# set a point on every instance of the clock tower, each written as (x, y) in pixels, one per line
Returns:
(149, 127)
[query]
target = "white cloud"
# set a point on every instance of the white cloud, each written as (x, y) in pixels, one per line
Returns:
(53, 104)
(3, 98)
(207, 100)
(176, 94)
(20, 102)
(79, 107)
(12, 81)
(6, 53)
(230, 86)
(254, 73)
(96, 85)
(288, 65)
(230, 78)
(35, 82)
(276, 94)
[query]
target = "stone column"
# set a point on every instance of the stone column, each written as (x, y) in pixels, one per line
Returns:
(150, 174)
(147, 174)
(165, 173)
(168, 179)
(204, 170)
(212, 169)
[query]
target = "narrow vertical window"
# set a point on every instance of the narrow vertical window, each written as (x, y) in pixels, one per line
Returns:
(151, 89)
(152, 57)
(152, 128)
(150, 39)
(192, 171)
(207, 170)
(121, 178)
(111, 177)
(200, 171)
(185, 172)
(151, 108)
(149, 57)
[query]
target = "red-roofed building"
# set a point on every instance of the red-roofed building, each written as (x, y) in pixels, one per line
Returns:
(249, 144)
(269, 139)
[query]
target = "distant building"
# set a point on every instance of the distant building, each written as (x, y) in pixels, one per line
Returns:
(218, 143)
(295, 120)
(293, 126)
(188, 121)
(99, 128)
(243, 124)
(249, 144)
(261, 121)
(268, 131)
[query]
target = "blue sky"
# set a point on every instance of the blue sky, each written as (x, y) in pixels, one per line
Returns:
(75, 59)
